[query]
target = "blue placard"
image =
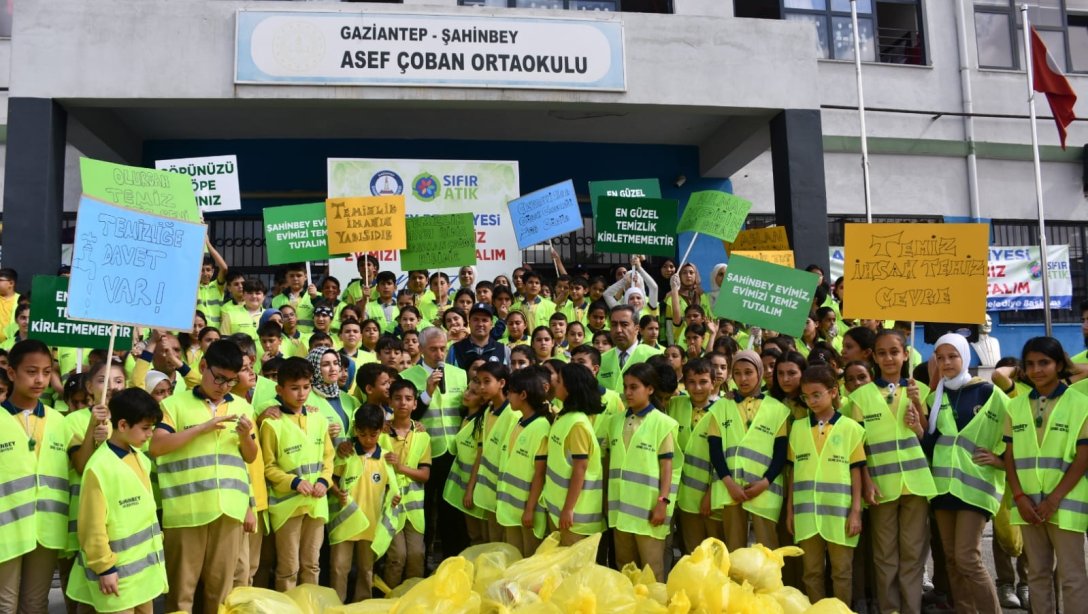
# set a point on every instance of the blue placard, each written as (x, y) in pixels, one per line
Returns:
(130, 267)
(546, 213)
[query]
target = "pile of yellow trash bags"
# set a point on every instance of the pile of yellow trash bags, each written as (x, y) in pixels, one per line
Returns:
(495, 579)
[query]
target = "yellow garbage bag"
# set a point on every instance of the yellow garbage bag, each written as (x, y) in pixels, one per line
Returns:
(490, 562)
(651, 599)
(760, 566)
(249, 600)
(551, 564)
(448, 591)
(1009, 536)
(743, 599)
(829, 606)
(370, 606)
(595, 590)
(472, 553)
(679, 603)
(704, 576)
(403, 588)
(638, 576)
(313, 599)
(792, 600)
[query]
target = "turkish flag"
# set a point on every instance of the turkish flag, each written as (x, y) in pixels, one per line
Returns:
(1049, 79)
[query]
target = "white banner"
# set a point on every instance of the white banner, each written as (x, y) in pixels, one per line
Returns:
(215, 180)
(432, 187)
(398, 49)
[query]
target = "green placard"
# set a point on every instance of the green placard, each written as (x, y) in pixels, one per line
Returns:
(623, 188)
(49, 321)
(636, 226)
(143, 189)
(296, 233)
(439, 242)
(767, 295)
(714, 213)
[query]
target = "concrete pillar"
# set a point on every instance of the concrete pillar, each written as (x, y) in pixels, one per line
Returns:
(800, 195)
(33, 187)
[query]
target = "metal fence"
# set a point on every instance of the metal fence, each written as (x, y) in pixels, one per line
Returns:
(1026, 232)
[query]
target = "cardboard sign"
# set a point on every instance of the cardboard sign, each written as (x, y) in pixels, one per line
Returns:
(439, 242)
(916, 272)
(772, 238)
(140, 189)
(623, 188)
(714, 213)
(783, 258)
(214, 178)
(767, 295)
(636, 226)
(295, 233)
(544, 214)
(364, 223)
(49, 321)
(130, 267)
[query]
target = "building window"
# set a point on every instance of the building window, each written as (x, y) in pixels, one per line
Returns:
(890, 30)
(627, 6)
(1062, 24)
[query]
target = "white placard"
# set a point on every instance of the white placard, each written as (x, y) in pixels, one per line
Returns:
(215, 180)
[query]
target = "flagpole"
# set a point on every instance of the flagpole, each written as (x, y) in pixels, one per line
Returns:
(861, 114)
(1038, 171)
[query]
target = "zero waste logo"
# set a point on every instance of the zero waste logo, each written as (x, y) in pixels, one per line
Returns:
(426, 187)
(1036, 270)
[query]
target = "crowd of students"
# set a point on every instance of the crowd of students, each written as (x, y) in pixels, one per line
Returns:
(336, 435)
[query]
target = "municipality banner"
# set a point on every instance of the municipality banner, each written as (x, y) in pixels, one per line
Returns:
(1016, 278)
(432, 187)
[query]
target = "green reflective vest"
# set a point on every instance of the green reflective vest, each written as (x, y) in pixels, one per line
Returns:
(746, 451)
(347, 402)
(483, 495)
(634, 474)
(304, 308)
(134, 536)
(206, 478)
(697, 473)
(411, 501)
(76, 423)
(954, 472)
(300, 453)
(610, 374)
(33, 486)
(1041, 466)
(516, 471)
(393, 517)
(348, 520)
(209, 299)
(442, 419)
(822, 486)
(465, 445)
(894, 455)
(589, 508)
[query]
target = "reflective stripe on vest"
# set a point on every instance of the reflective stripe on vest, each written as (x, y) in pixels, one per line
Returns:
(411, 491)
(140, 563)
(633, 476)
(745, 457)
(822, 486)
(442, 418)
(34, 505)
(1041, 467)
(483, 496)
(519, 463)
(954, 472)
(300, 453)
(894, 456)
(392, 520)
(697, 474)
(589, 506)
(465, 446)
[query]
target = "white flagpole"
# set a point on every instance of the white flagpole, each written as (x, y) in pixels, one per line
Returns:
(861, 113)
(1038, 171)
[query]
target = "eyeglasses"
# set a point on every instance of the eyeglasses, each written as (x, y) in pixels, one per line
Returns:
(814, 397)
(219, 380)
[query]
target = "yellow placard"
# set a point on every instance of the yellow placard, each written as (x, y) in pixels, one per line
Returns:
(772, 239)
(916, 272)
(781, 258)
(365, 223)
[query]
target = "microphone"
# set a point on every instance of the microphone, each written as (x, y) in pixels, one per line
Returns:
(442, 380)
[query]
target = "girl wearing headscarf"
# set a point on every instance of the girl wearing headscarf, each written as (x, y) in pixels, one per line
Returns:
(964, 440)
(717, 278)
(686, 289)
(337, 406)
(639, 290)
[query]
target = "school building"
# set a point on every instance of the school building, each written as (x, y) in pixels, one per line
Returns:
(753, 96)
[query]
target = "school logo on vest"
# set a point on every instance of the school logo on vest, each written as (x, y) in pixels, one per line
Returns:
(386, 183)
(426, 187)
(375, 477)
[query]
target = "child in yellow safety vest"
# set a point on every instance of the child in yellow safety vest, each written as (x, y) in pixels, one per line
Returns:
(113, 570)
(823, 504)
(408, 451)
(298, 457)
(644, 472)
(697, 519)
(897, 479)
(1046, 457)
(520, 484)
(500, 418)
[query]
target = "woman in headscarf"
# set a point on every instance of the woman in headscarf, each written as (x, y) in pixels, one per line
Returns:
(965, 440)
(337, 406)
(717, 278)
(639, 290)
(685, 289)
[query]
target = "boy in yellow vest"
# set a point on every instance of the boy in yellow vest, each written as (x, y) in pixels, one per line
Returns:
(120, 565)
(201, 447)
(298, 456)
(408, 450)
(34, 462)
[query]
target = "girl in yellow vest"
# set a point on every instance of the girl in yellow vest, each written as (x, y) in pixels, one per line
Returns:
(823, 508)
(697, 519)
(964, 432)
(644, 474)
(897, 481)
(748, 444)
(408, 450)
(786, 384)
(543, 344)
(466, 445)
(498, 420)
(1046, 460)
(855, 375)
(518, 506)
(515, 329)
(574, 490)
